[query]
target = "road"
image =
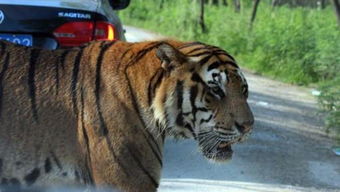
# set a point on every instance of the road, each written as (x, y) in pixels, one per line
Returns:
(288, 150)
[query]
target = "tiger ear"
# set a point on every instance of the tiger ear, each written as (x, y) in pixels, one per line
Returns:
(170, 56)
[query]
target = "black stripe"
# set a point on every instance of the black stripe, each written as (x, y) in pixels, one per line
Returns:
(123, 56)
(63, 59)
(206, 120)
(214, 65)
(166, 117)
(180, 119)
(143, 52)
(202, 109)
(31, 82)
(32, 176)
(232, 63)
(56, 160)
(104, 48)
(200, 54)
(158, 156)
(155, 143)
(74, 80)
(87, 176)
(57, 71)
(56, 78)
(82, 102)
(1, 163)
(86, 138)
(221, 52)
(195, 49)
(2, 48)
(195, 77)
(163, 136)
(225, 134)
(115, 157)
(179, 94)
(231, 57)
(47, 165)
(154, 83)
(189, 127)
(205, 60)
(193, 95)
(190, 44)
(136, 159)
(2, 75)
(186, 113)
(212, 82)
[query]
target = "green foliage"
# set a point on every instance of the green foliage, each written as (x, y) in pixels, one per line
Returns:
(330, 101)
(296, 45)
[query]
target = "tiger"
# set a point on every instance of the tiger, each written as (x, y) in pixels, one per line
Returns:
(97, 115)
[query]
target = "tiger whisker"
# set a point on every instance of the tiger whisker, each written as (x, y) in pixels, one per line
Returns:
(213, 146)
(209, 141)
(206, 139)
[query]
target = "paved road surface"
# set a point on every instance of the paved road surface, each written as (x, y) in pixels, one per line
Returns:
(288, 150)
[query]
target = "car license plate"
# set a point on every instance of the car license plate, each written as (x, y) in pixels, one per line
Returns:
(25, 40)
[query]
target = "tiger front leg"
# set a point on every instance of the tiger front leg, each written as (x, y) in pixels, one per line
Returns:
(120, 152)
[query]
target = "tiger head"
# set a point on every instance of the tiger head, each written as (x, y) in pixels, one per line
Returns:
(203, 96)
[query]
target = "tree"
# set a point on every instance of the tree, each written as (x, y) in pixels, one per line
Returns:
(253, 15)
(161, 3)
(217, 2)
(275, 3)
(321, 4)
(337, 10)
(301, 3)
(201, 16)
(237, 5)
(214, 2)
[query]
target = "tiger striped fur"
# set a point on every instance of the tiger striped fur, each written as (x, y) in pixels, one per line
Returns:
(98, 114)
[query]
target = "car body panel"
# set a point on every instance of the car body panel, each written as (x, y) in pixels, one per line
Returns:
(41, 17)
(87, 5)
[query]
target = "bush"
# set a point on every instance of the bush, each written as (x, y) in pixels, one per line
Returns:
(330, 101)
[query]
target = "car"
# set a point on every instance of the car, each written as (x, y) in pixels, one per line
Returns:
(53, 24)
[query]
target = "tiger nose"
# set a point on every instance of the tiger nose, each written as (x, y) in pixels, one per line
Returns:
(245, 127)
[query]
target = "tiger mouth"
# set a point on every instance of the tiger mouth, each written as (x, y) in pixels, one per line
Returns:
(222, 152)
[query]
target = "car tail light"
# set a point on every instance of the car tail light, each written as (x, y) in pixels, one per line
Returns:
(104, 31)
(74, 33)
(78, 33)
